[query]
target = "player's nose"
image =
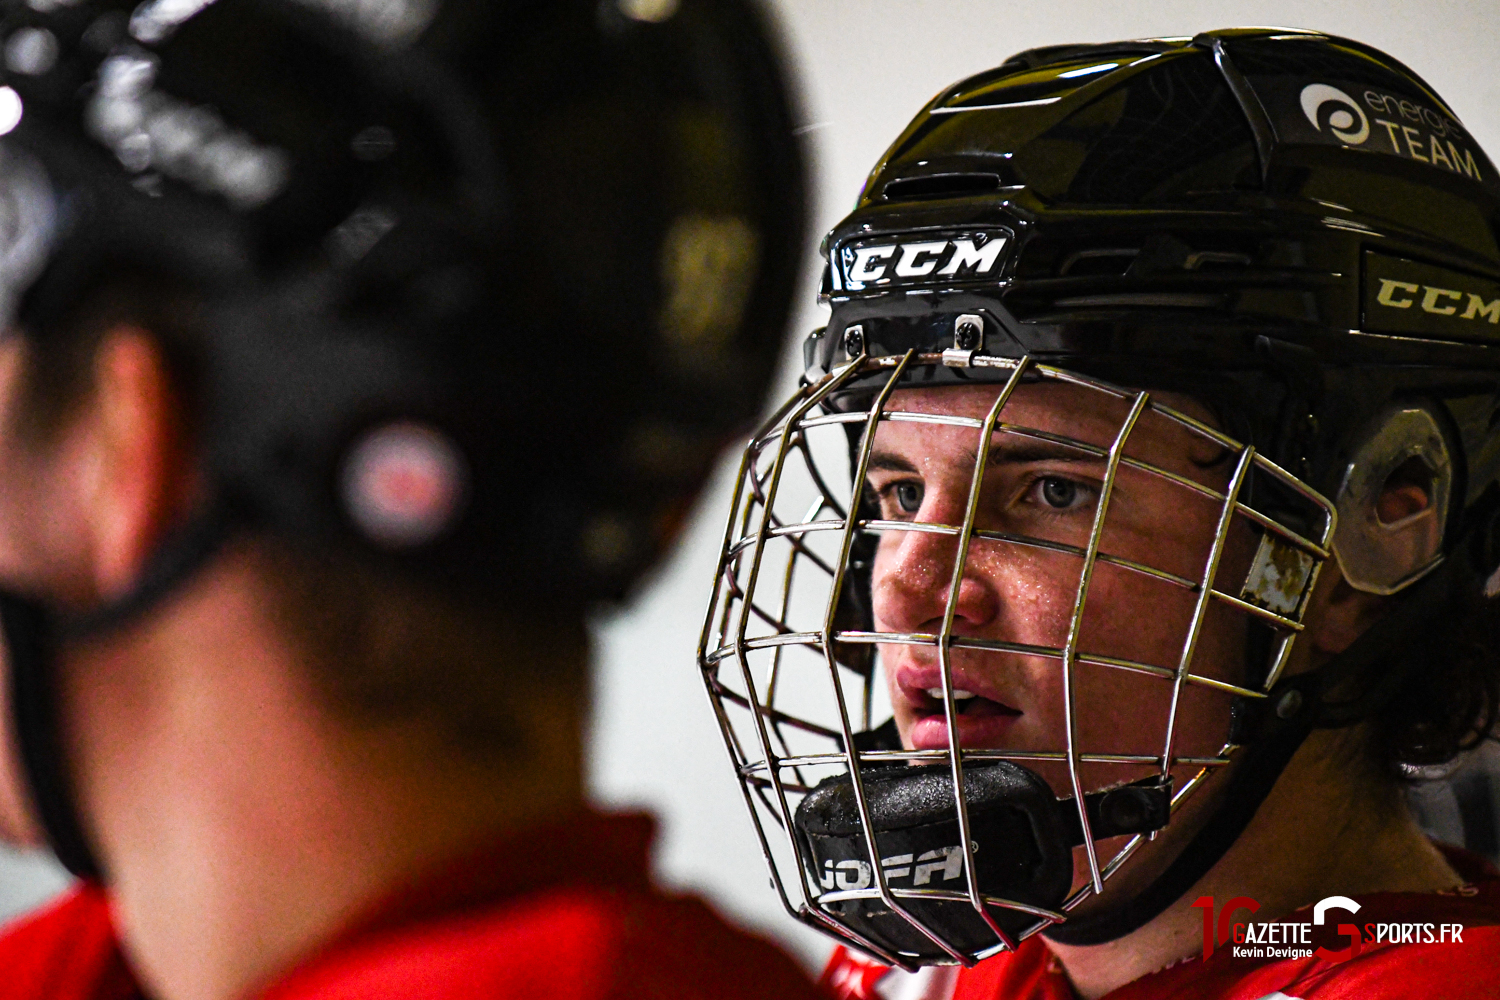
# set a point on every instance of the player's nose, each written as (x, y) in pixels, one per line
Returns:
(914, 574)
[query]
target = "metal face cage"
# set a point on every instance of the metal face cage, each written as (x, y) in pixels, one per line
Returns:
(793, 656)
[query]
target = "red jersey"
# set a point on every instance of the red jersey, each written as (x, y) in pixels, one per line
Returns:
(565, 912)
(1377, 968)
(67, 950)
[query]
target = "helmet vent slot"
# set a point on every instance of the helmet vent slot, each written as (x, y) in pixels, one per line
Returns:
(1217, 260)
(941, 186)
(1117, 261)
(1093, 263)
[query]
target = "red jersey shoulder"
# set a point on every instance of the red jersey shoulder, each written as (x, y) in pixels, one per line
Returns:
(572, 943)
(1403, 952)
(1397, 972)
(1028, 973)
(851, 976)
(65, 951)
(678, 946)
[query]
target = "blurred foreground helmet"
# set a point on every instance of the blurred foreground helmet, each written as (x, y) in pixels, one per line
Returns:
(485, 284)
(480, 288)
(1294, 238)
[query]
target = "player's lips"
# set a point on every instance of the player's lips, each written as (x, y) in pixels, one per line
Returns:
(983, 718)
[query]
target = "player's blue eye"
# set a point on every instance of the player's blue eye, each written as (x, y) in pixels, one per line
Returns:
(909, 497)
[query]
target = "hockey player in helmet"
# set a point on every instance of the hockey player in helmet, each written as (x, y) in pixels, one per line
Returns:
(1149, 456)
(357, 350)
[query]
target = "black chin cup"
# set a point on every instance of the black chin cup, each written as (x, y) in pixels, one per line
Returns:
(1023, 837)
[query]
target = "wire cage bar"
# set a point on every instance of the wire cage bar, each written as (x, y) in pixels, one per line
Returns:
(776, 637)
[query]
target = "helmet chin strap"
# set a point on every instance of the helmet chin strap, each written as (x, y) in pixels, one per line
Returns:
(1293, 709)
(32, 635)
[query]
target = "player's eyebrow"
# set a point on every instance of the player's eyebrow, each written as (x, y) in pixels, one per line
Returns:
(1223, 455)
(1038, 451)
(885, 461)
(1000, 454)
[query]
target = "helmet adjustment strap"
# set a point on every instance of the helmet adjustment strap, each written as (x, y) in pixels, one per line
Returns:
(32, 636)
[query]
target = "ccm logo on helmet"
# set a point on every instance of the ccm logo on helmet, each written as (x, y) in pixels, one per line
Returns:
(1438, 301)
(925, 261)
(1414, 298)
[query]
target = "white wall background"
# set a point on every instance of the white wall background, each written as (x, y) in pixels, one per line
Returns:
(866, 67)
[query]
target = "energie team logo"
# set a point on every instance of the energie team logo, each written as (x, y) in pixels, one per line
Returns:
(1325, 105)
(1390, 124)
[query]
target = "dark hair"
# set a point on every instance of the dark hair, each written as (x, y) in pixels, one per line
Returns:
(385, 648)
(378, 646)
(1451, 701)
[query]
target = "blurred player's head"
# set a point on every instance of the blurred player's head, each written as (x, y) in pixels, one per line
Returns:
(1152, 430)
(411, 327)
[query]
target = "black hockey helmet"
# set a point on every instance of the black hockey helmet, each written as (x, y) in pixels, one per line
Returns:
(1290, 228)
(480, 288)
(1254, 204)
(407, 212)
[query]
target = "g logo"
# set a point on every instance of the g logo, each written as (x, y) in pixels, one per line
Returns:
(1342, 117)
(1320, 912)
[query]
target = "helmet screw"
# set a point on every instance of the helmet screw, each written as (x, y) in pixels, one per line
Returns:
(966, 334)
(854, 341)
(1289, 705)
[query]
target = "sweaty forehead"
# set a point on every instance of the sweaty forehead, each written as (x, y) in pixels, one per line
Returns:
(1054, 401)
(1072, 411)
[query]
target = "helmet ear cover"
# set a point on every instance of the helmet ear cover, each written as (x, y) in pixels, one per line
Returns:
(1380, 557)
